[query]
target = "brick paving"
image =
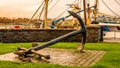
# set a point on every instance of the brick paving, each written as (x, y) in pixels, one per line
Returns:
(64, 57)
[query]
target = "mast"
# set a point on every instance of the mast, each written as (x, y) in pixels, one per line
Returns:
(84, 7)
(46, 13)
(89, 12)
(95, 9)
(74, 10)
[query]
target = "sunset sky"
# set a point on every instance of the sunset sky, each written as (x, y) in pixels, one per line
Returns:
(26, 8)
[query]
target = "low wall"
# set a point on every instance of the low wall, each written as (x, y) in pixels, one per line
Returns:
(41, 35)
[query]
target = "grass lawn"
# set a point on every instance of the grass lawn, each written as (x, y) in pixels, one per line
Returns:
(110, 60)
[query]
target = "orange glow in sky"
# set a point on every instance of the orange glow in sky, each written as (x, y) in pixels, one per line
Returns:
(18, 8)
(26, 8)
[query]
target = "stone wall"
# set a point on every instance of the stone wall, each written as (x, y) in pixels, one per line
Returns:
(41, 35)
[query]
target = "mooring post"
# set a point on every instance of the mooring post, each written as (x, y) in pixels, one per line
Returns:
(101, 33)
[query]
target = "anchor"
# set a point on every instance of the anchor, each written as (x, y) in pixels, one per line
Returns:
(25, 54)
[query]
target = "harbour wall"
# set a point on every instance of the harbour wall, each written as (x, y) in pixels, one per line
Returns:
(44, 35)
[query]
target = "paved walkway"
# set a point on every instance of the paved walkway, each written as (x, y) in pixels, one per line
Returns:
(64, 57)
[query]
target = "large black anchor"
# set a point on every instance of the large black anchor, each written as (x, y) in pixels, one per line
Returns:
(33, 50)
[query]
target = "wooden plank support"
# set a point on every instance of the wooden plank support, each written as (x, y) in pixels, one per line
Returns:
(22, 52)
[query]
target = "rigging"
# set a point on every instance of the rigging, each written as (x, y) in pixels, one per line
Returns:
(40, 13)
(64, 11)
(110, 9)
(35, 13)
(54, 5)
(117, 2)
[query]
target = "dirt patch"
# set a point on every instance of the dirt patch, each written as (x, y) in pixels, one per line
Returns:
(67, 57)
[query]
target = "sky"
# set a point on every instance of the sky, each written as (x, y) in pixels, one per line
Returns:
(26, 8)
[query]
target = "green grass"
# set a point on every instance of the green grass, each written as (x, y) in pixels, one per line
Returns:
(9, 47)
(110, 60)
